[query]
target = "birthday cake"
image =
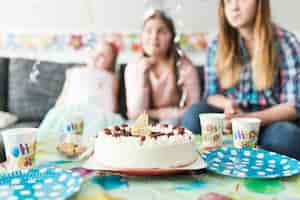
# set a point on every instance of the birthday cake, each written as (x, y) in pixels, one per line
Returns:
(160, 146)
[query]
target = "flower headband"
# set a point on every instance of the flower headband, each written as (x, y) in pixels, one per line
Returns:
(151, 11)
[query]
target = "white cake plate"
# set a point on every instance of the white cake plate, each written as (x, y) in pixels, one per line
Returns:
(94, 164)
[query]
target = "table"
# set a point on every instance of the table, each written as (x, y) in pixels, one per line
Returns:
(106, 186)
(109, 187)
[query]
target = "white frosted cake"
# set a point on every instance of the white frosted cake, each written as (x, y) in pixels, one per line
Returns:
(164, 146)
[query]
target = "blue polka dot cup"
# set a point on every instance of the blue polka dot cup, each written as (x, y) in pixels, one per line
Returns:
(20, 147)
(245, 132)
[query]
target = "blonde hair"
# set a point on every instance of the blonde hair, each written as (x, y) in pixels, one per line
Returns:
(95, 52)
(229, 56)
(171, 54)
(161, 15)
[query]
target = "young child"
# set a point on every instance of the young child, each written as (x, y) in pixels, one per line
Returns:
(152, 83)
(96, 83)
(90, 92)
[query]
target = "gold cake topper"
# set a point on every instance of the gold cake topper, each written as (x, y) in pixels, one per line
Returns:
(141, 125)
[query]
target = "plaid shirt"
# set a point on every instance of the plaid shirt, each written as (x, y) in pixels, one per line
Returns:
(286, 87)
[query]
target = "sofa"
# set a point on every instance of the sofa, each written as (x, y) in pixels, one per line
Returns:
(30, 101)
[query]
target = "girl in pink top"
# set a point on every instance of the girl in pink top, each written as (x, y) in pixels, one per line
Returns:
(161, 82)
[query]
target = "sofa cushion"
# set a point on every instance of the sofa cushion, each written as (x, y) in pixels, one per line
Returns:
(23, 124)
(3, 83)
(122, 92)
(7, 119)
(31, 100)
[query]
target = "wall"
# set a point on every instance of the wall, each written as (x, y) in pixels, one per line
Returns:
(118, 15)
(81, 16)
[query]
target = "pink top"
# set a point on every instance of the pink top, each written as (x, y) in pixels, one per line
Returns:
(159, 96)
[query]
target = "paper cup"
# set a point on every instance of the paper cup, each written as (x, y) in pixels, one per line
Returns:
(20, 147)
(212, 130)
(71, 141)
(245, 132)
(73, 126)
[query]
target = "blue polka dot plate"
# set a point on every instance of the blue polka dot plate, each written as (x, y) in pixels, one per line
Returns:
(250, 163)
(39, 184)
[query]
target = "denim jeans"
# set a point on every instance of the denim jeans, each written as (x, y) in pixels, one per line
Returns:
(191, 118)
(281, 137)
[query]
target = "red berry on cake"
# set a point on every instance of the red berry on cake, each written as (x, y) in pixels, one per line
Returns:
(170, 134)
(116, 134)
(117, 128)
(124, 125)
(143, 138)
(165, 125)
(181, 131)
(107, 131)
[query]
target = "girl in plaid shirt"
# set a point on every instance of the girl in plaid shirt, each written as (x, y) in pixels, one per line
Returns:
(253, 70)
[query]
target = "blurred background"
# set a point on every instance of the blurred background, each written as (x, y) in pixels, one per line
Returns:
(45, 29)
